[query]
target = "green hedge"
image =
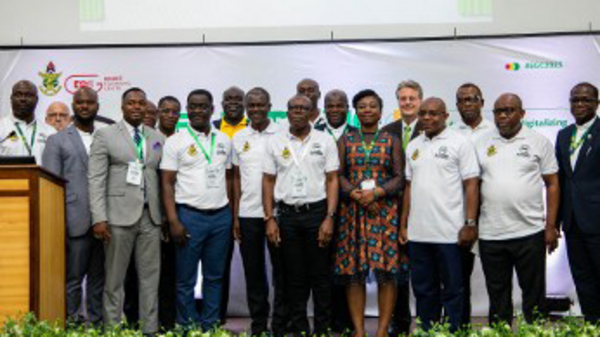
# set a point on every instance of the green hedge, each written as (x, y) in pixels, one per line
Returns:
(29, 326)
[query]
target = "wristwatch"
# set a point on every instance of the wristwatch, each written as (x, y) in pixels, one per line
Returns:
(470, 223)
(268, 217)
(331, 215)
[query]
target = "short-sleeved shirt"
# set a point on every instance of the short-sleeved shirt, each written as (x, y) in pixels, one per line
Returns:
(436, 168)
(182, 154)
(512, 198)
(316, 156)
(473, 134)
(13, 143)
(249, 152)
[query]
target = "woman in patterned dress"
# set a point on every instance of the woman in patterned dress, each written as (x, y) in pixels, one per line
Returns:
(371, 178)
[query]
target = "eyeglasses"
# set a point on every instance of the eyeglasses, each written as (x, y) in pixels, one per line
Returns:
(506, 111)
(584, 100)
(468, 99)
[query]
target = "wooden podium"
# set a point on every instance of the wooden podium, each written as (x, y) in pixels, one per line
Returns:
(32, 243)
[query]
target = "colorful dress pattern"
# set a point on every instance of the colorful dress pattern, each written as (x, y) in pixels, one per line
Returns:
(368, 242)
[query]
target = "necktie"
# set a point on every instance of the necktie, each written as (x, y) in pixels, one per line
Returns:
(406, 136)
(137, 137)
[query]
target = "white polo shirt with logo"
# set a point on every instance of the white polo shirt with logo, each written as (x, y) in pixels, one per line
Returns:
(13, 143)
(316, 156)
(199, 184)
(436, 169)
(249, 152)
(512, 187)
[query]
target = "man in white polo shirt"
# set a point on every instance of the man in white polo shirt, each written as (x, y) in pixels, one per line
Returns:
(469, 102)
(516, 165)
(197, 208)
(440, 205)
(249, 151)
(21, 134)
(301, 176)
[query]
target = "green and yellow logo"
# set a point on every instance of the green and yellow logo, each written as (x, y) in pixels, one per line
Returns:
(50, 81)
(491, 151)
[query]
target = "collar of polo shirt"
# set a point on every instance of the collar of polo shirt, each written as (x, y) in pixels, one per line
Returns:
(520, 135)
(441, 135)
(14, 120)
(271, 128)
(291, 136)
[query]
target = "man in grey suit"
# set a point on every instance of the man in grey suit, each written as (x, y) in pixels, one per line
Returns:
(66, 154)
(125, 205)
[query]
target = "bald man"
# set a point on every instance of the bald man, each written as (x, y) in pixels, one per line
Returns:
(58, 115)
(66, 154)
(20, 133)
(440, 204)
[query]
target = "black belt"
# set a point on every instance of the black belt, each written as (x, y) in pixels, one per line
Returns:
(203, 211)
(300, 208)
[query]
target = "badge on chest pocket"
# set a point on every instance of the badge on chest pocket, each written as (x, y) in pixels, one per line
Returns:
(299, 185)
(213, 177)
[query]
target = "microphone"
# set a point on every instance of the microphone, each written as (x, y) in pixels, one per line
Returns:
(10, 135)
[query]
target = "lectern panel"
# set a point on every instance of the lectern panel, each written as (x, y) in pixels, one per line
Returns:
(14, 256)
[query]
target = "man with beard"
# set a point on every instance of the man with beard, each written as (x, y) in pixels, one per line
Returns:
(21, 134)
(233, 119)
(126, 209)
(58, 115)
(578, 154)
(66, 154)
(196, 201)
(300, 175)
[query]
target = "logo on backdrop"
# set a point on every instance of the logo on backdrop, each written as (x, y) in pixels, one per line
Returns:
(545, 65)
(50, 80)
(96, 82)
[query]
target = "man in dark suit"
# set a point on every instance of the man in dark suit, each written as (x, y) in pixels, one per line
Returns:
(66, 154)
(409, 94)
(578, 154)
(126, 209)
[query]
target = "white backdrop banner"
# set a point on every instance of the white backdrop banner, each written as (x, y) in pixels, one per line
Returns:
(540, 70)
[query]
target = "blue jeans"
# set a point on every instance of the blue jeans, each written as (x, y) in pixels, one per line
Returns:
(436, 275)
(210, 238)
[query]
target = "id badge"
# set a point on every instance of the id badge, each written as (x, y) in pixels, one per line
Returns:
(212, 175)
(299, 186)
(367, 185)
(134, 173)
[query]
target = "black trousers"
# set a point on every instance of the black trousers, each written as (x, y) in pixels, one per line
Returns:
(526, 255)
(226, 284)
(468, 263)
(401, 317)
(252, 249)
(584, 258)
(167, 313)
(307, 267)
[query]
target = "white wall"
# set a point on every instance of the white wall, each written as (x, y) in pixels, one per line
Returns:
(35, 22)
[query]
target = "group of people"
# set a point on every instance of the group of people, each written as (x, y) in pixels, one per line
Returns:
(337, 206)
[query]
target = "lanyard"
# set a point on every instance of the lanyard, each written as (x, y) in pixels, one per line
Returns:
(331, 132)
(302, 155)
(212, 145)
(368, 148)
(577, 144)
(27, 146)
